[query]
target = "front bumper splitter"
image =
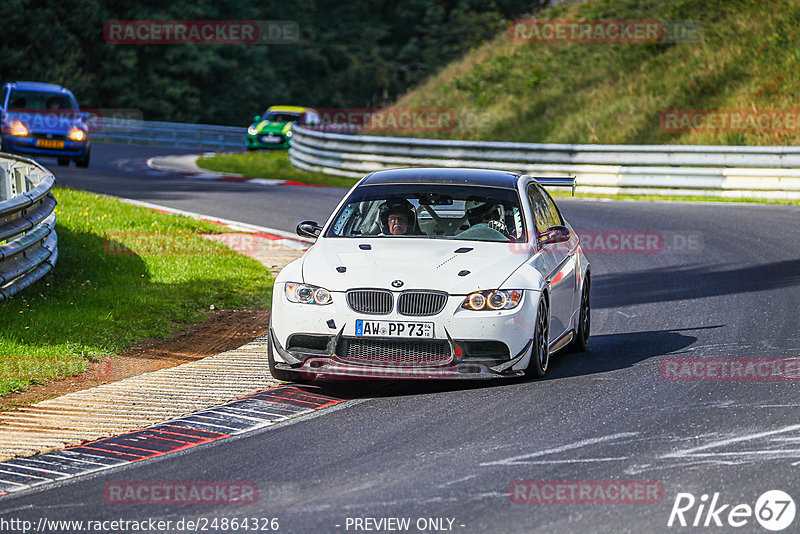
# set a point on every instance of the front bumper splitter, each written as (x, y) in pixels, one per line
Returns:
(329, 365)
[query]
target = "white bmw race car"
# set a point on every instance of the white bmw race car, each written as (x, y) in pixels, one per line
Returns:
(433, 273)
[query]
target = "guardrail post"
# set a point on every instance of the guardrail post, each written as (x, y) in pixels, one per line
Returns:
(5, 180)
(21, 184)
(34, 179)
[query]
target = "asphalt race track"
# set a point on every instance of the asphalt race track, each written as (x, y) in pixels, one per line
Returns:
(121, 170)
(724, 284)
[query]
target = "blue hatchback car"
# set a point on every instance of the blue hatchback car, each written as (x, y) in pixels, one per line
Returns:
(43, 119)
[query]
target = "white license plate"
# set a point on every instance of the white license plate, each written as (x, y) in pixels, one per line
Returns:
(367, 328)
(270, 139)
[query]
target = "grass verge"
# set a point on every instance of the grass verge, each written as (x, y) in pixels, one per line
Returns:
(124, 274)
(743, 58)
(270, 164)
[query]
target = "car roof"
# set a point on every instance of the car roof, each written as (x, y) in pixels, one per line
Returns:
(40, 86)
(289, 109)
(444, 175)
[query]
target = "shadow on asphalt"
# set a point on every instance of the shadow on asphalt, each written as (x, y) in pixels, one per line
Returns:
(611, 352)
(608, 352)
(360, 389)
(675, 283)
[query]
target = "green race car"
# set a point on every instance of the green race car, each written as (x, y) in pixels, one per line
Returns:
(274, 129)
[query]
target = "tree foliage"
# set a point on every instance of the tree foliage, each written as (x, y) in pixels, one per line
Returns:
(360, 53)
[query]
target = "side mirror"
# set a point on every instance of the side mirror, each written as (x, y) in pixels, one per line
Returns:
(309, 229)
(257, 118)
(554, 234)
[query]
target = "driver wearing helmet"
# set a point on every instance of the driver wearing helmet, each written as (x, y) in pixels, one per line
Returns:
(488, 213)
(397, 217)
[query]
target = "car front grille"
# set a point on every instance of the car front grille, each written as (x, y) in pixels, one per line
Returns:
(281, 139)
(408, 353)
(370, 301)
(55, 137)
(421, 303)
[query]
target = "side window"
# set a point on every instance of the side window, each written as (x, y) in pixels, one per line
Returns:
(552, 209)
(541, 210)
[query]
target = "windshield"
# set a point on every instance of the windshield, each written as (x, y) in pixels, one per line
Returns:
(431, 211)
(281, 116)
(40, 101)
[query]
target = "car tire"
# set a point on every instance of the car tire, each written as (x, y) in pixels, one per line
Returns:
(63, 162)
(540, 352)
(280, 374)
(83, 162)
(581, 340)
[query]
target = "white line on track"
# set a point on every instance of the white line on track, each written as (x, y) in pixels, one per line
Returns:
(515, 460)
(721, 443)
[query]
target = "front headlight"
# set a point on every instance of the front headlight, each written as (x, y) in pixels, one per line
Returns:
(18, 129)
(252, 129)
(289, 133)
(493, 299)
(307, 294)
(76, 134)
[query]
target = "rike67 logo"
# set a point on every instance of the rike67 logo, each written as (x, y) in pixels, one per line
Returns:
(774, 510)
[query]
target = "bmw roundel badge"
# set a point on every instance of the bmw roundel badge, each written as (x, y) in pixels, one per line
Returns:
(397, 283)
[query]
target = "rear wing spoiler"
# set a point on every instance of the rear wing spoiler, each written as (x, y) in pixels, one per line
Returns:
(546, 181)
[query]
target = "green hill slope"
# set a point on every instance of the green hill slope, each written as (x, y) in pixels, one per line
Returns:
(747, 60)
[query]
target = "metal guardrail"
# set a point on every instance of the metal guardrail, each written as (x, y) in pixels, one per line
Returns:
(182, 134)
(28, 241)
(167, 133)
(766, 172)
